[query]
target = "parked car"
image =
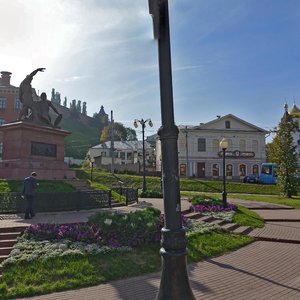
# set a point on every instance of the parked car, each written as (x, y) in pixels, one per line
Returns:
(251, 179)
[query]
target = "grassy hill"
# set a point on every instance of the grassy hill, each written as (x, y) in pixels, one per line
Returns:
(85, 131)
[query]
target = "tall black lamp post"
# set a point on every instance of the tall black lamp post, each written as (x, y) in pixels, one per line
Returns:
(174, 283)
(224, 146)
(143, 123)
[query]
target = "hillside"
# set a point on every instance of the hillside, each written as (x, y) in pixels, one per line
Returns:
(85, 131)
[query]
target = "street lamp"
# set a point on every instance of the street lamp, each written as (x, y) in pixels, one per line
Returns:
(92, 160)
(224, 146)
(143, 123)
(174, 282)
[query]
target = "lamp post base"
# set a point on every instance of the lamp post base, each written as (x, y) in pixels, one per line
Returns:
(224, 198)
(174, 283)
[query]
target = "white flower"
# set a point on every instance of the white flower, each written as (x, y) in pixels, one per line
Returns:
(108, 222)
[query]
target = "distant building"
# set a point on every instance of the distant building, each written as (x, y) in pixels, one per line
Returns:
(200, 154)
(125, 153)
(102, 116)
(10, 104)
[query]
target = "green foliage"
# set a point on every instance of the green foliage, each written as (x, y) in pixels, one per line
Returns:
(154, 183)
(121, 133)
(45, 186)
(210, 244)
(246, 217)
(206, 200)
(117, 197)
(283, 152)
(151, 194)
(136, 226)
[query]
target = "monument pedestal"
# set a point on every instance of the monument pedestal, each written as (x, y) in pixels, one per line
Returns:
(29, 147)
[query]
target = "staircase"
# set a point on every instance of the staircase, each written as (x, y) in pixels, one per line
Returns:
(81, 185)
(235, 228)
(8, 237)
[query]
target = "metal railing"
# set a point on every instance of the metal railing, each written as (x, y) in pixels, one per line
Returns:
(59, 201)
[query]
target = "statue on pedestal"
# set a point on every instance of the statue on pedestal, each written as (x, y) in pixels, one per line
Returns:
(36, 109)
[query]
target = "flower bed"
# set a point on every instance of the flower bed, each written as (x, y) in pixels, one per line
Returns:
(105, 232)
(212, 207)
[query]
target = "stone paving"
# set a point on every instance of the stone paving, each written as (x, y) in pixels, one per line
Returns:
(261, 270)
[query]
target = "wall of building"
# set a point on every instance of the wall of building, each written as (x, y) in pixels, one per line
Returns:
(245, 154)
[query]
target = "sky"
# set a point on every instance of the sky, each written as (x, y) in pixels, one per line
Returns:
(237, 57)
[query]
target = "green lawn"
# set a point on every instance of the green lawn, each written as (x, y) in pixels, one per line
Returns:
(293, 202)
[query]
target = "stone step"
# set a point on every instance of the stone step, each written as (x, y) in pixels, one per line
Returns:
(5, 251)
(18, 229)
(242, 230)
(3, 257)
(193, 215)
(206, 218)
(230, 226)
(7, 243)
(9, 235)
(218, 222)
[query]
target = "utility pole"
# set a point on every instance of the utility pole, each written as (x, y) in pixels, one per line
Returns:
(187, 152)
(112, 150)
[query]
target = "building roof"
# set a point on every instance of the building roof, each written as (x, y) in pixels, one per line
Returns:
(209, 125)
(123, 145)
(295, 111)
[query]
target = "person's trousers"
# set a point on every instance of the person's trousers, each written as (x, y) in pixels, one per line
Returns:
(29, 212)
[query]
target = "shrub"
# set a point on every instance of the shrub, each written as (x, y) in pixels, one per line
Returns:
(151, 194)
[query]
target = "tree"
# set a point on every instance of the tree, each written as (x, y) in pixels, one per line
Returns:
(283, 152)
(121, 133)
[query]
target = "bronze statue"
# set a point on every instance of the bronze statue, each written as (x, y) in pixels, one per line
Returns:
(35, 108)
(42, 111)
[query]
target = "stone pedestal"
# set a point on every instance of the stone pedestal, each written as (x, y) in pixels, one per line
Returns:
(29, 147)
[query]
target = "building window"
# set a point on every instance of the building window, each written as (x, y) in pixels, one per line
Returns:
(182, 170)
(1, 149)
(215, 146)
(242, 170)
(2, 121)
(215, 170)
(129, 155)
(18, 104)
(122, 155)
(242, 145)
(2, 103)
(201, 145)
(255, 146)
(255, 170)
(229, 170)
(227, 124)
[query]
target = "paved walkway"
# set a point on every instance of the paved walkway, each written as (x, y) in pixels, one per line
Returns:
(262, 270)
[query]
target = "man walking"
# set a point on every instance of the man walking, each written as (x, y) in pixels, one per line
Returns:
(29, 188)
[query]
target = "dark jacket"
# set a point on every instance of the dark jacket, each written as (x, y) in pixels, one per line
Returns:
(30, 185)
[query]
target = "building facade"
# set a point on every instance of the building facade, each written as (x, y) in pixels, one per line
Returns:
(200, 155)
(125, 152)
(10, 104)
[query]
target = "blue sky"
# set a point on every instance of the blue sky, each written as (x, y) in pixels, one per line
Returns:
(234, 56)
